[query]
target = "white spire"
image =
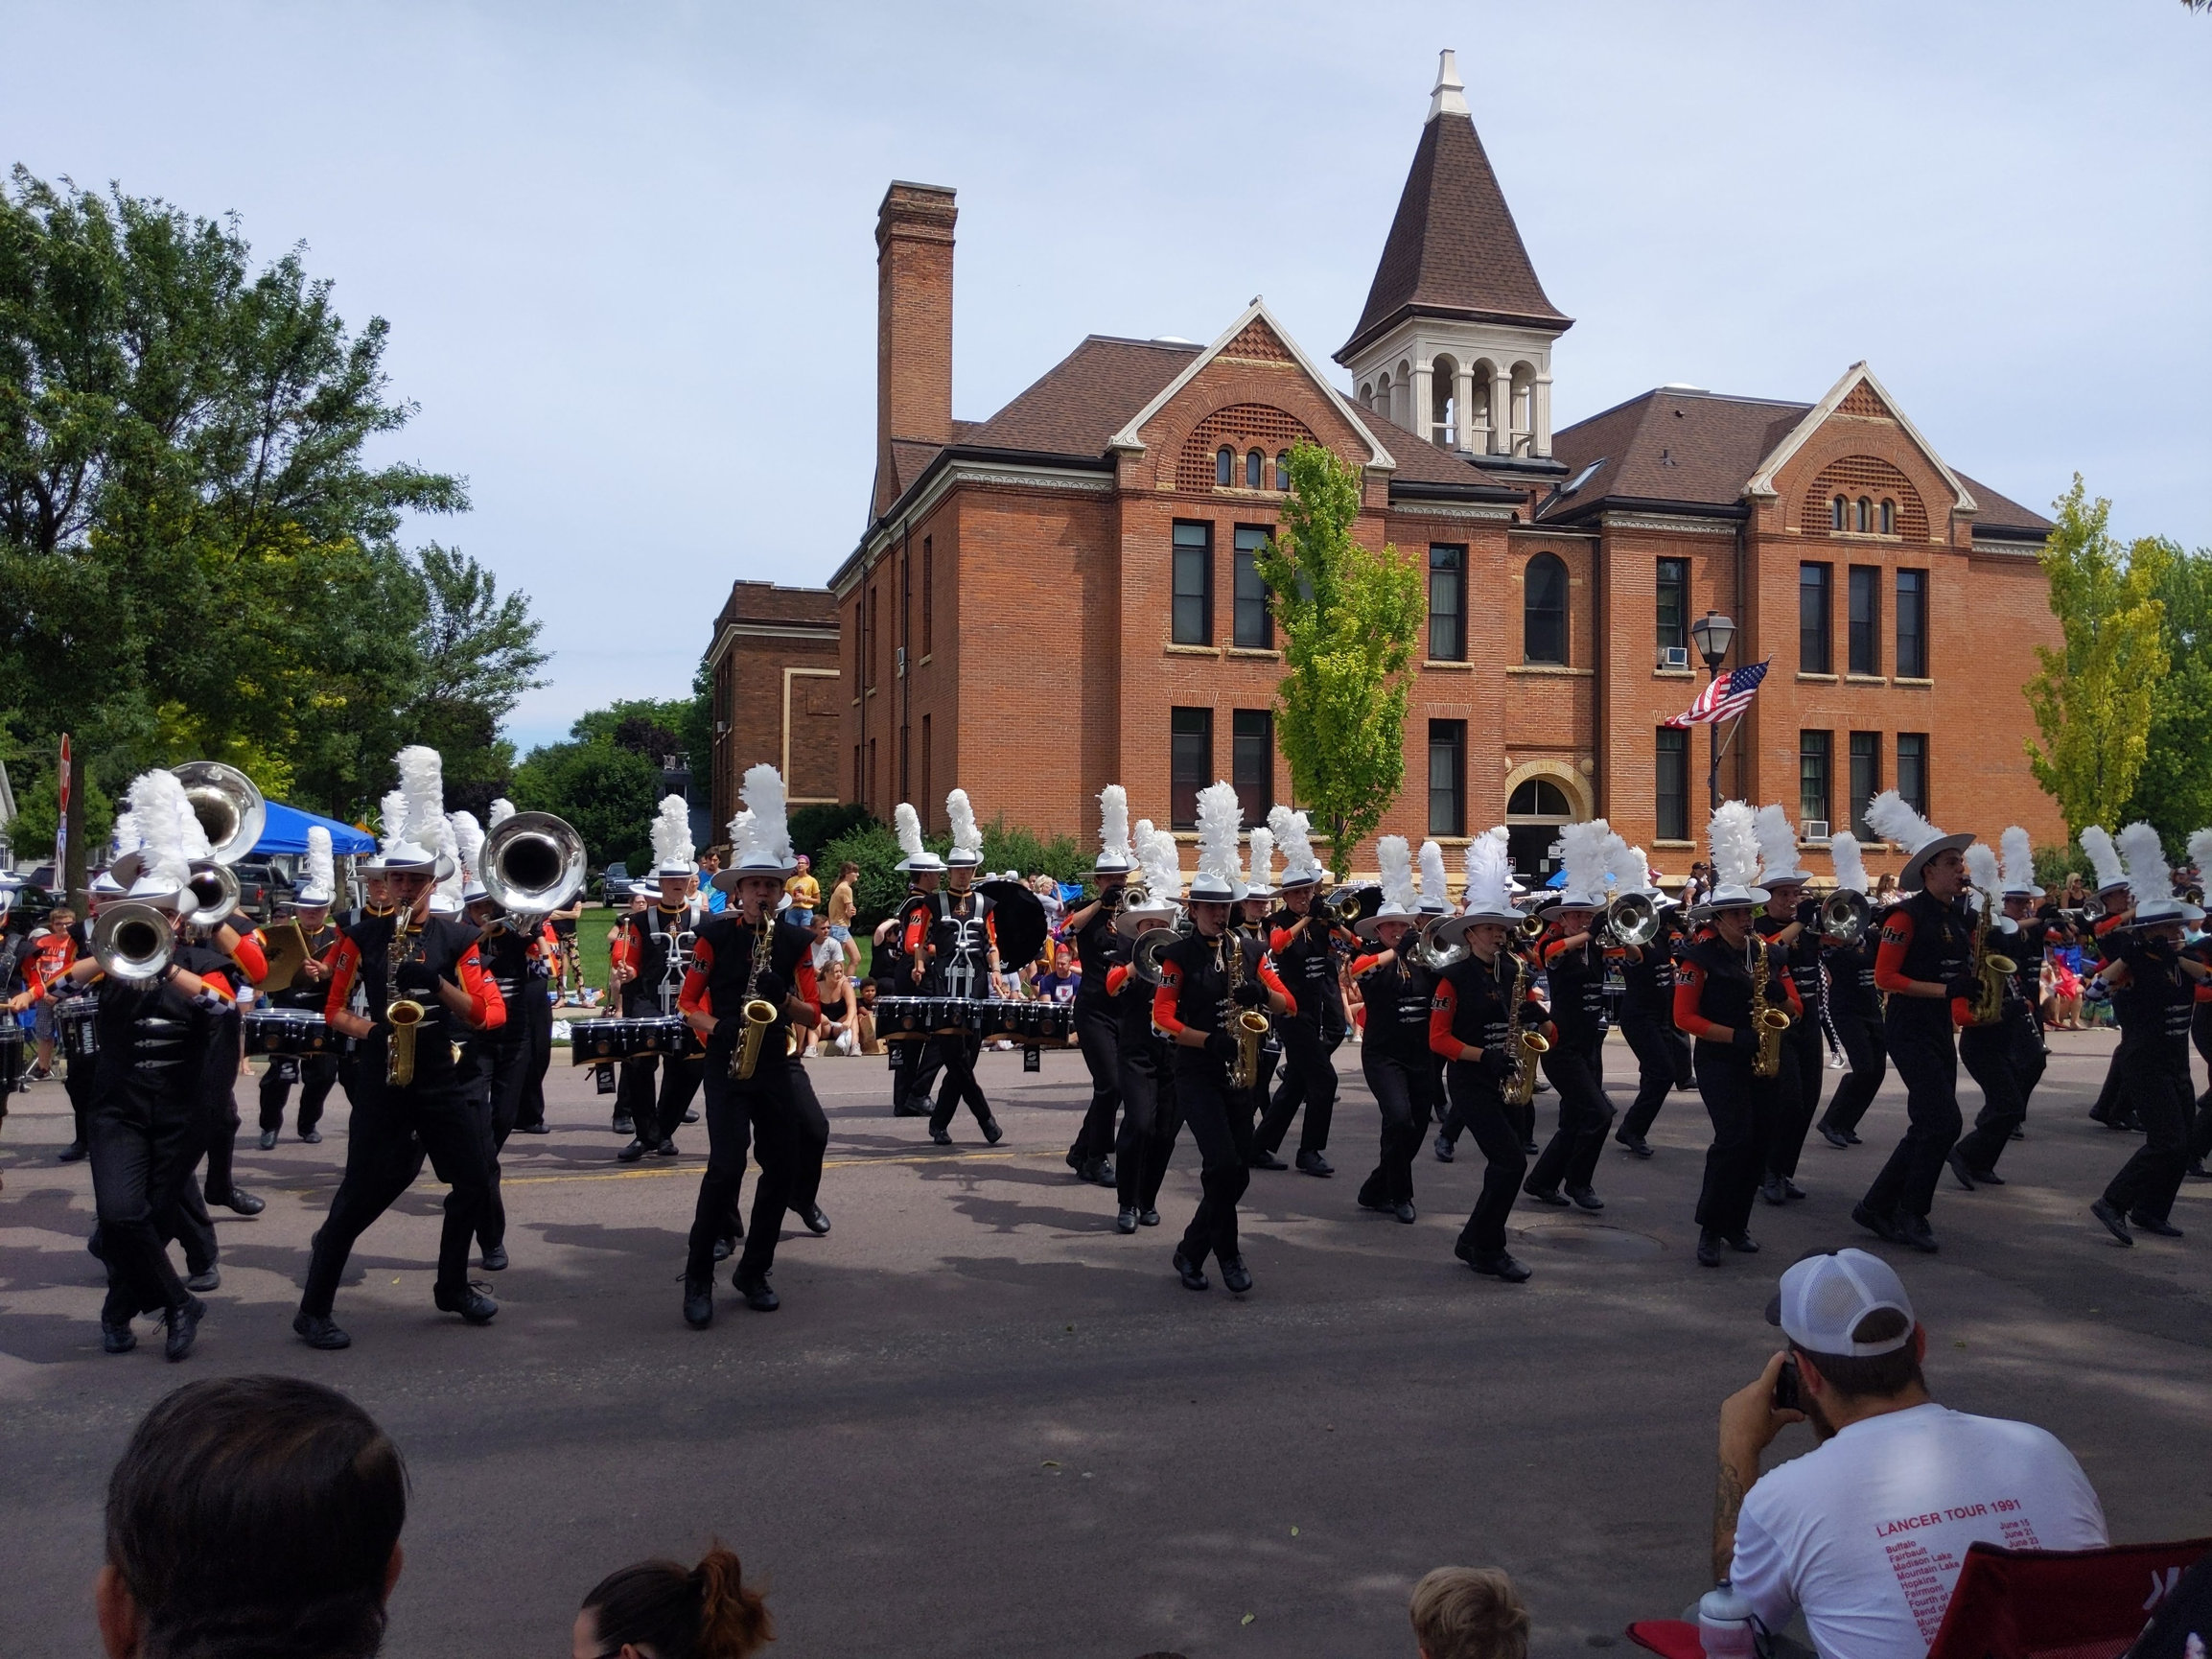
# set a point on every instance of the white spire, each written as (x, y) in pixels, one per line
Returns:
(1450, 98)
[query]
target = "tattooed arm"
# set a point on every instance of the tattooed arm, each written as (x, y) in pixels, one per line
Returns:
(1748, 1426)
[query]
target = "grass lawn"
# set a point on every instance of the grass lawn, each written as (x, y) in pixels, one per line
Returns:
(597, 921)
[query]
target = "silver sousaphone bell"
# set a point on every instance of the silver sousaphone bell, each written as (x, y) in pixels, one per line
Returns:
(232, 813)
(532, 865)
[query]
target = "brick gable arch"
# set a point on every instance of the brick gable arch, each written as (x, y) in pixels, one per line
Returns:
(1243, 427)
(1861, 475)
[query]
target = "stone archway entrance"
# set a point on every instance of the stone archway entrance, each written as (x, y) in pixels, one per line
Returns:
(1542, 798)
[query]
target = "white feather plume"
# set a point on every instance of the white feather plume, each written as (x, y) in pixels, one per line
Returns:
(423, 782)
(760, 834)
(906, 825)
(502, 810)
(2017, 858)
(1489, 882)
(322, 868)
(1629, 868)
(392, 819)
(1219, 819)
(1394, 854)
(1735, 839)
(1433, 888)
(1851, 865)
(443, 841)
(159, 814)
(1113, 820)
(1888, 817)
(2104, 856)
(2148, 876)
(1260, 840)
(960, 813)
(1982, 869)
(2201, 854)
(1293, 838)
(1776, 841)
(671, 833)
(468, 840)
(1582, 856)
(1160, 859)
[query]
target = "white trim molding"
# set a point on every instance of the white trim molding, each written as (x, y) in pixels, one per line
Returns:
(1076, 480)
(1763, 487)
(1672, 525)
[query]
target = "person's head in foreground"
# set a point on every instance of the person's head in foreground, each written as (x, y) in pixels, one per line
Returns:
(1469, 1613)
(665, 1610)
(252, 1516)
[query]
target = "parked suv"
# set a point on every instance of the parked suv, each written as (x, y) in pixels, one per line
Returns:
(615, 885)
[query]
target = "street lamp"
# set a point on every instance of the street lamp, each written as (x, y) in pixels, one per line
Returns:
(1714, 633)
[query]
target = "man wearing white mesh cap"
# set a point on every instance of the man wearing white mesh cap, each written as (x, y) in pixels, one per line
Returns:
(1865, 1533)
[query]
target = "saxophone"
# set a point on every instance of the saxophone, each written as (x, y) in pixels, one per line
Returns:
(1990, 970)
(403, 1014)
(758, 1014)
(1522, 1045)
(1248, 1025)
(1768, 1020)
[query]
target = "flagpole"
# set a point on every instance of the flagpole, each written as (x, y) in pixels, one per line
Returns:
(1713, 634)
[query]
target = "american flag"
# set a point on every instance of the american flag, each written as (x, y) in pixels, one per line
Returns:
(1727, 697)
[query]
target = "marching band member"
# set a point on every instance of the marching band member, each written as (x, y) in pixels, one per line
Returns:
(955, 948)
(1647, 1005)
(421, 982)
(2154, 993)
(69, 998)
(918, 1059)
(1150, 1118)
(745, 956)
(1575, 968)
(1394, 1054)
(1926, 965)
(1727, 978)
(1097, 1030)
(1252, 917)
(1206, 984)
(655, 957)
(1791, 923)
(2112, 1109)
(2005, 1056)
(1471, 1018)
(1303, 948)
(1854, 1006)
(317, 1074)
(536, 1012)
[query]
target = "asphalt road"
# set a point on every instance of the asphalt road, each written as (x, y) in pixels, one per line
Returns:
(983, 1422)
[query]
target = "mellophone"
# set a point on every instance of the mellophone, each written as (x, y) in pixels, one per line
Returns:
(595, 1041)
(907, 1018)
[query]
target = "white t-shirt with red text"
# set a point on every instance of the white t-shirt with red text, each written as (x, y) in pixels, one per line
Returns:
(1868, 1531)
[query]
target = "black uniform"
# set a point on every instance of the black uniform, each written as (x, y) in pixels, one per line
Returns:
(1935, 945)
(499, 1061)
(2154, 1010)
(317, 1074)
(659, 951)
(2006, 1057)
(1803, 1049)
(1146, 1073)
(1197, 986)
(1470, 1008)
(1395, 1059)
(960, 937)
(1647, 1021)
(1854, 1009)
(1716, 991)
(1308, 965)
(1576, 1064)
(1098, 1033)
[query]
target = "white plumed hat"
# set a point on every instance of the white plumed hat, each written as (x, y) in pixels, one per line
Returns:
(1851, 865)
(1777, 864)
(1888, 817)
(1733, 836)
(1435, 892)
(1220, 821)
(322, 869)
(2150, 879)
(1394, 857)
(1582, 857)
(2104, 858)
(421, 819)
(967, 835)
(1294, 839)
(2018, 855)
(906, 824)
(672, 840)
(1489, 894)
(1115, 855)
(158, 865)
(760, 835)
(1260, 840)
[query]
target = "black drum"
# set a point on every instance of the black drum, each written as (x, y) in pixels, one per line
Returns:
(662, 1034)
(77, 1022)
(593, 1041)
(14, 1050)
(292, 1031)
(596, 1041)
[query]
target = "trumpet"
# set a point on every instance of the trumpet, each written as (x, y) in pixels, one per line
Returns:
(1630, 919)
(1129, 895)
(1342, 908)
(1534, 926)
(133, 943)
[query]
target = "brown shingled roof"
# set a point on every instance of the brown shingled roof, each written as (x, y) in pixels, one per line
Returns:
(1668, 445)
(1422, 461)
(2001, 512)
(1082, 400)
(1453, 249)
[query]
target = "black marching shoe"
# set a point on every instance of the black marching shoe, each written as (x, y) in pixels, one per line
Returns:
(1193, 1276)
(1791, 1190)
(1125, 1219)
(2157, 1227)
(1529, 1149)
(1501, 1266)
(495, 1259)
(2198, 1172)
(1263, 1158)
(1774, 1189)
(941, 1137)
(904, 1110)
(1443, 1150)
(993, 1134)
(666, 1148)
(1080, 1164)
(183, 1322)
(541, 1127)
(1403, 1209)
(314, 1137)
(1234, 1277)
(1959, 1169)
(74, 1153)
(1150, 1218)
(1550, 1195)
(268, 1140)
(1104, 1174)
(815, 1218)
(1837, 1138)
(239, 1201)
(635, 1150)
(725, 1249)
(2114, 1221)
(1987, 1178)
(1915, 1233)
(1882, 1226)
(1709, 1244)
(317, 1331)
(623, 1126)
(691, 1114)
(208, 1278)
(116, 1336)
(1585, 1197)
(473, 1301)
(758, 1295)
(1635, 1143)
(698, 1302)
(1314, 1163)
(1743, 1244)
(1381, 1205)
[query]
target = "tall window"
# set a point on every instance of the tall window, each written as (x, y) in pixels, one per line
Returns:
(1283, 470)
(1254, 631)
(1839, 514)
(1812, 620)
(1190, 763)
(1447, 604)
(1252, 761)
(1193, 601)
(1543, 610)
(1224, 466)
(928, 767)
(870, 660)
(1866, 619)
(1912, 769)
(1911, 631)
(1674, 604)
(1673, 783)
(1255, 471)
(1866, 515)
(928, 594)
(1447, 777)
(1815, 750)
(1865, 779)
(1889, 517)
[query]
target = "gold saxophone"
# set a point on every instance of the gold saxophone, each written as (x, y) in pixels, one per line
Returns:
(1990, 970)
(1248, 1025)
(758, 1014)
(1523, 1045)
(403, 1014)
(1768, 1020)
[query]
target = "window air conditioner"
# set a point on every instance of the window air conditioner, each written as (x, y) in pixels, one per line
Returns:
(1674, 656)
(903, 662)
(1816, 829)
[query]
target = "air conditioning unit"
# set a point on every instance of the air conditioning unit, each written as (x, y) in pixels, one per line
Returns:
(1674, 656)
(1815, 829)
(903, 662)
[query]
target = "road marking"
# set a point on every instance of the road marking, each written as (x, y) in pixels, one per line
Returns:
(507, 1180)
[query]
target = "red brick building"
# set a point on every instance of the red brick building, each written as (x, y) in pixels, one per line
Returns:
(776, 698)
(1103, 522)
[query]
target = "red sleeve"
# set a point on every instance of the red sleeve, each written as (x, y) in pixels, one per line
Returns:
(621, 947)
(486, 1006)
(1365, 963)
(1441, 1009)
(1268, 976)
(693, 998)
(346, 961)
(915, 930)
(1165, 1000)
(218, 982)
(1688, 992)
(1550, 949)
(1279, 939)
(251, 959)
(1117, 976)
(1889, 959)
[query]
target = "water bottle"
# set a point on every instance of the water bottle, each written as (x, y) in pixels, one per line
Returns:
(1724, 1624)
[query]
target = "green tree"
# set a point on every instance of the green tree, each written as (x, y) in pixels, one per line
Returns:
(2174, 790)
(2093, 700)
(609, 794)
(1350, 618)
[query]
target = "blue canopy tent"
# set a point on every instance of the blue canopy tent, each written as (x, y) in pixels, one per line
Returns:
(286, 831)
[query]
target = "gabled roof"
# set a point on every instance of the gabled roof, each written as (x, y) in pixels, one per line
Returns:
(1453, 249)
(1671, 444)
(1761, 483)
(1076, 406)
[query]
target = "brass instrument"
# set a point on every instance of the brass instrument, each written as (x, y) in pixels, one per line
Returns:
(1342, 908)
(1630, 919)
(403, 1014)
(1844, 916)
(1768, 1020)
(1129, 895)
(132, 943)
(532, 865)
(1439, 943)
(1248, 1025)
(1534, 926)
(1523, 1045)
(759, 1013)
(1145, 958)
(215, 894)
(1989, 970)
(229, 808)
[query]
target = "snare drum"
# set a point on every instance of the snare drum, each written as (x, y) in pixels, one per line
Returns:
(76, 1021)
(13, 1050)
(288, 1030)
(662, 1034)
(592, 1041)
(595, 1041)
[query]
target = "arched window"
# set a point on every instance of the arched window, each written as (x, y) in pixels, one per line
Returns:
(1283, 470)
(1255, 471)
(1889, 517)
(1543, 610)
(1538, 798)
(1866, 515)
(1224, 467)
(1838, 514)
(1366, 394)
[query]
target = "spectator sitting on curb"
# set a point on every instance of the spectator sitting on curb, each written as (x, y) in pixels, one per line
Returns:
(665, 1610)
(1469, 1613)
(1867, 1532)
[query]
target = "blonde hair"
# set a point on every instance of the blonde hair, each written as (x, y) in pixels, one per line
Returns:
(1469, 1613)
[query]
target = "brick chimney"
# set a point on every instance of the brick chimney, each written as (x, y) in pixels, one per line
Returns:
(912, 327)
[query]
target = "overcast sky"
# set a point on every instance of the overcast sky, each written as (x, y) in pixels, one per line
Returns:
(627, 252)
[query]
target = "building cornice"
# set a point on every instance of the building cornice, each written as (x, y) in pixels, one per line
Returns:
(958, 464)
(1673, 524)
(727, 634)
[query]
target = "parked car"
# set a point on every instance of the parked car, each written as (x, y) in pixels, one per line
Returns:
(264, 888)
(615, 885)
